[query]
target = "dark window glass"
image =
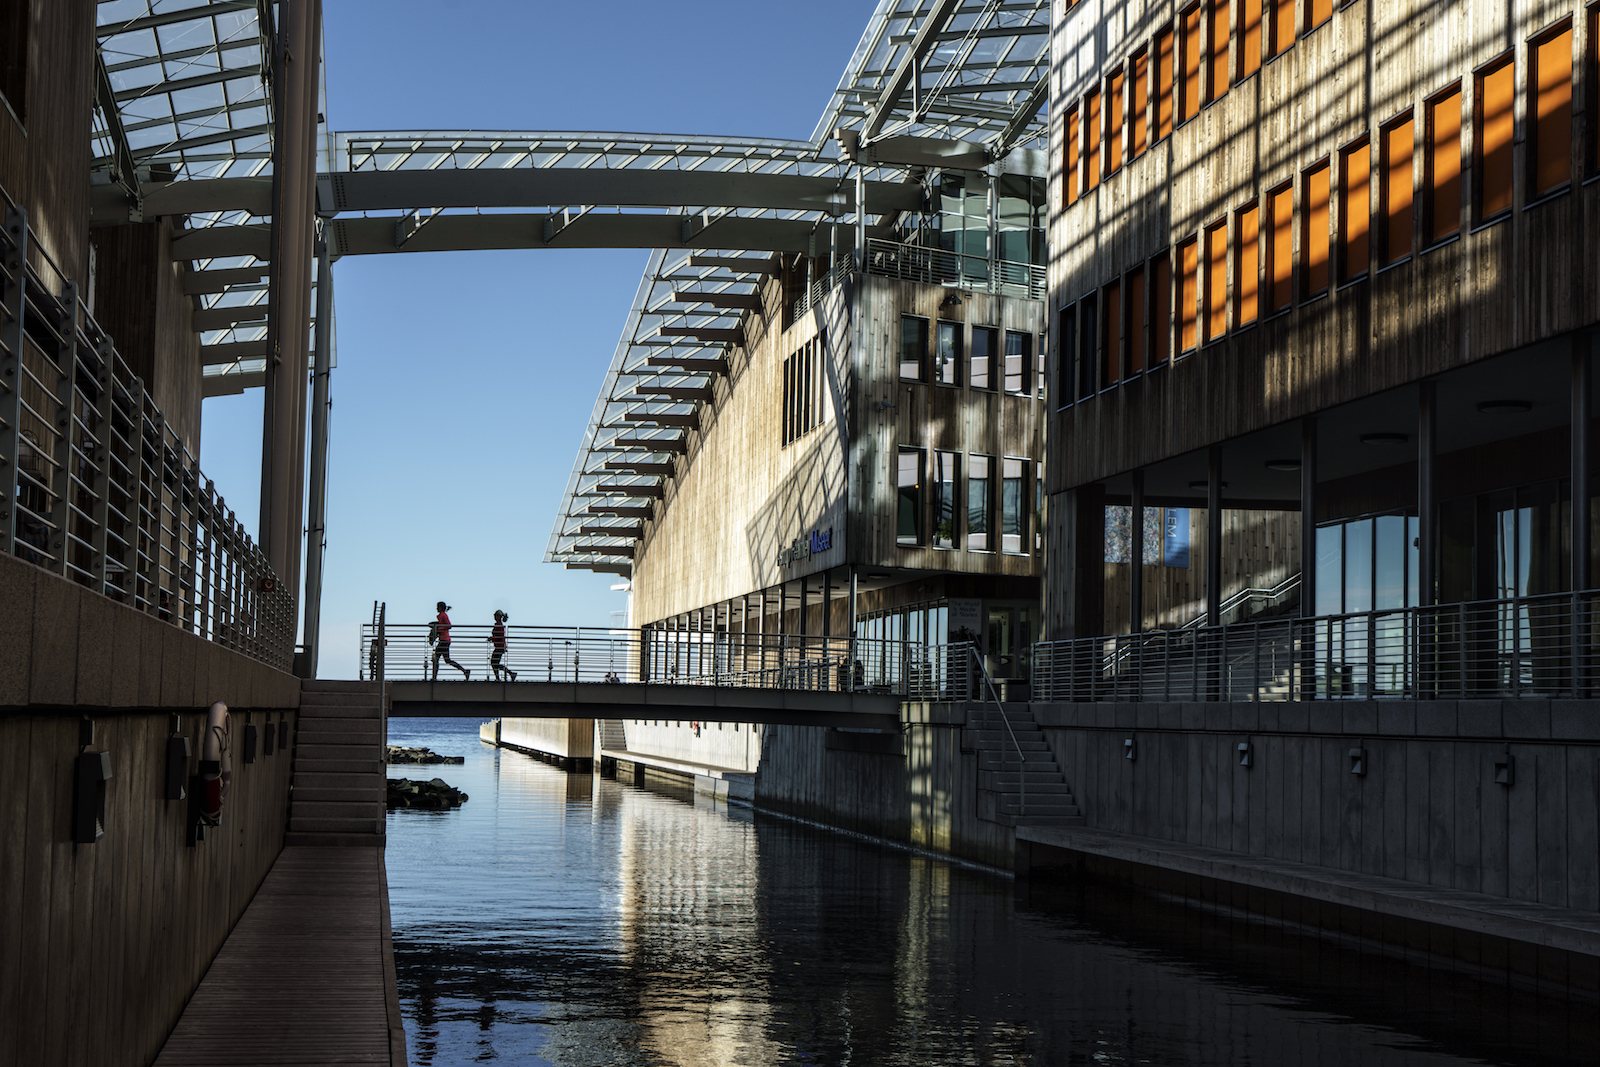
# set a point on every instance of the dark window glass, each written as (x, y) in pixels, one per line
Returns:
(947, 354)
(913, 347)
(1019, 362)
(980, 470)
(946, 470)
(1013, 516)
(14, 34)
(1067, 329)
(1088, 344)
(981, 370)
(908, 522)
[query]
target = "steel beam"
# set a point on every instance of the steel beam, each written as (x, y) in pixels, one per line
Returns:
(910, 65)
(751, 301)
(654, 444)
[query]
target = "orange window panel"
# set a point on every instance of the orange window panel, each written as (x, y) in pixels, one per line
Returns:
(1280, 31)
(1114, 119)
(1355, 210)
(1091, 137)
(1399, 145)
(1165, 57)
(1249, 37)
(1069, 164)
(1444, 165)
(1217, 80)
(1139, 120)
(1314, 239)
(1280, 251)
(1188, 294)
(1495, 90)
(1247, 266)
(1161, 316)
(1111, 335)
(1216, 281)
(1552, 111)
(1133, 289)
(1190, 47)
(1318, 12)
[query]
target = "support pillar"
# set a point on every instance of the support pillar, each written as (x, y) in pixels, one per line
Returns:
(861, 218)
(1136, 558)
(1308, 556)
(1088, 560)
(1214, 536)
(1582, 463)
(316, 526)
(1427, 539)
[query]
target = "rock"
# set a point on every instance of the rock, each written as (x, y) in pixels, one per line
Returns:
(435, 795)
(401, 754)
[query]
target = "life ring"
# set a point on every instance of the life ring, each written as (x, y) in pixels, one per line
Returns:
(216, 763)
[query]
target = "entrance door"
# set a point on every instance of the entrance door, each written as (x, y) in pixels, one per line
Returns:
(1008, 641)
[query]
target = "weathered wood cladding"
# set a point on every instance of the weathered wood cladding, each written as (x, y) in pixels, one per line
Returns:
(45, 166)
(740, 494)
(1527, 276)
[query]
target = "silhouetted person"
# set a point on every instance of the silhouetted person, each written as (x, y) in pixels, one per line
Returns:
(497, 638)
(441, 648)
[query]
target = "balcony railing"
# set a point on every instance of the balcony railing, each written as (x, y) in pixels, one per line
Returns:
(1524, 647)
(96, 487)
(935, 266)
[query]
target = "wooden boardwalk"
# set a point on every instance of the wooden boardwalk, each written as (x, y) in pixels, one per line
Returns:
(306, 977)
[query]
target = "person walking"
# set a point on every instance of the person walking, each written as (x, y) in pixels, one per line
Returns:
(497, 638)
(441, 648)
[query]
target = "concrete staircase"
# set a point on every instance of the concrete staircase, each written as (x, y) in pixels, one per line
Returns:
(1047, 800)
(613, 735)
(337, 794)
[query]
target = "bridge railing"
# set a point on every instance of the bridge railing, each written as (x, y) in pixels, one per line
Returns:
(95, 486)
(673, 657)
(1537, 647)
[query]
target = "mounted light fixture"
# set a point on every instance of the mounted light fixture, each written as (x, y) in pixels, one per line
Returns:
(1358, 762)
(89, 807)
(1246, 754)
(1282, 464)
(1505, 407)
(951, 300)
(177, 761)
(1129, 751)
(1505, 769)
(1203, 486)
(1384, 438)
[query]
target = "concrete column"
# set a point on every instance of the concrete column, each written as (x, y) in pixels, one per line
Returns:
(1582, 464)
(289, 297)
(316, 526)
(1136, 557)
(1308, 516)
(1214, 536)
(1088, 569)
(1427, 536)
(861, 218)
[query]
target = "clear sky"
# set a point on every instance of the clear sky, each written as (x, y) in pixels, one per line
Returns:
(466, 379)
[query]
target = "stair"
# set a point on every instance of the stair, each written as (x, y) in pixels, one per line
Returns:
(1015, 788)
(613, 736)
(337, 794)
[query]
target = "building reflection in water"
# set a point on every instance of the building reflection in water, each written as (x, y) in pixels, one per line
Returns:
(575, 921)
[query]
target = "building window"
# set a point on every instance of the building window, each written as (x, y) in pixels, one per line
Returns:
(1216, 280)
(1496, 87)
(1161, 318)
(1069, 165)
(1066, 357)
(1111, 343)
(1442, 181)
(1088, 343)
(946, 471)
(803, 400)
(1247, 264)
(1355, 210)
(1280, 249)
(1163, 77)
(1188, 294)
(1043, 346)
(1280, 26)
(1592, 80)
(1133, 289)
(913, 348)
(908, 517)
(947, 354)
(1019, 362)
(1314, 239)
(1249, 37)
(1013, 505)
(980, 474)
(15, 30)
(980, 369)
(1139, 117)
(1091, 141)
(1399, 145)
(1550, 86)
(1190, 48)
(1114, 119)
(1217, 78)
(1317, 12)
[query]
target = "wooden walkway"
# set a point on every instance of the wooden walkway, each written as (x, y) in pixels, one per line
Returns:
(307, 976)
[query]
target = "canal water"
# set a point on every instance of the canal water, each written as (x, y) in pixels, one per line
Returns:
(572, 920)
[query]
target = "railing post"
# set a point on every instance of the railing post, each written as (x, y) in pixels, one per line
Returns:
(102, 460)
(13, 305)
(65, 358)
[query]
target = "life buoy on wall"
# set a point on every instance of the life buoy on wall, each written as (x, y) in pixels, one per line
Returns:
(216, 763)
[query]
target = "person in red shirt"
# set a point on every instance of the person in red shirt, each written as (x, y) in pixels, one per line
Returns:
(497, 638)
(441, 650)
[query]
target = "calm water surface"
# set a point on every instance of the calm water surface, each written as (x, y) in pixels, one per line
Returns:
(571, 920)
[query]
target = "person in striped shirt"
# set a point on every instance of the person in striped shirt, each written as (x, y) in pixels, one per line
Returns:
(441, 650)
(497, 638)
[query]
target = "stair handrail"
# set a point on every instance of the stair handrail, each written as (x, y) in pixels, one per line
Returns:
(1274, 594)
(1022, 771)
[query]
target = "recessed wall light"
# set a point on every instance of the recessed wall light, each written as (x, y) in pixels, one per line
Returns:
(1384, 438)
(1283, 464)
(1505, 407)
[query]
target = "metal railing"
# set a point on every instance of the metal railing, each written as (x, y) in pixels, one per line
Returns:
(818, 289)
(935, 266)
(1524, 647)
(96, 487)
(660, 656)
(999, 706)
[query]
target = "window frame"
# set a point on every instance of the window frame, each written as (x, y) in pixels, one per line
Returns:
(1215, 66)
(1029, 377)
(1139, 102)
(1309, 290)
(901, 451)
(1270, 270)
(1213, 304)
(1534, 121)
(1431, 108)
(1093, 121)
(19, 37)
(1088, 343)
(937, 495)
(1277, 23)
(1348, 271)
(1186, 313)
(987, 533)
(1110, 371)
(1308, 9)
(1160, 274)
(1116, 87)
(957, 361)
(1480, 216)
(1023, 547)
(1066, 355)
(1191, 43)
(1135, 305)
(1243, 262)
(922, 362)
(1590, 79)
(1163, 73)
(1387, 256)
(989, 384)
(1071, 158)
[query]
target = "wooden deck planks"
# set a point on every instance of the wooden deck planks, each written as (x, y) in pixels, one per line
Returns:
(306, 975)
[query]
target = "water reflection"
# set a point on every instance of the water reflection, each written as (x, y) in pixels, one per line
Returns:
(569, 920)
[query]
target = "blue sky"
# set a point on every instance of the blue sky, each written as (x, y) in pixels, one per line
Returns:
(466, 379)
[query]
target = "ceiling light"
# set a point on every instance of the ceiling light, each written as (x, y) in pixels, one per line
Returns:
(1384, 438)
(1203, 486)
(1505, 407)
(1283, 464)
(877, 577)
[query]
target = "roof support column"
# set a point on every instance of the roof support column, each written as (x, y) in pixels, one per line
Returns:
(316, 527)
(289, 300)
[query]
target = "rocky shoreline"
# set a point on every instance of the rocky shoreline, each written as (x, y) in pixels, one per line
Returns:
(435, 795)
(401, 754)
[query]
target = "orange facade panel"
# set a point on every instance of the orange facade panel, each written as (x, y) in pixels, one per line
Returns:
(1111, 339)
(1114, 120)
(1070, 163)
(1247, 265)
(1443, 163)
(1280, 29)
(1355, 210)
(1217, 80)
(1188, 294)
(1314, 236)
(1091, 138)
(1165, 58)
(1133, 289)
(1191, 47)
(1280, 251)
(1399, 146)
(1551, 107)
(1250, 38)
(1139, 124)
(1216, 280)
(1161, 312)
(1496, 89)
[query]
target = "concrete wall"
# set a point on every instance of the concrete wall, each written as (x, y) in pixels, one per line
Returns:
(1428, 809)
(919, 789)
(726, 745)
(572, 738)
